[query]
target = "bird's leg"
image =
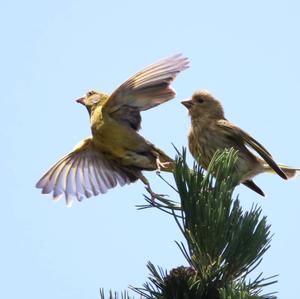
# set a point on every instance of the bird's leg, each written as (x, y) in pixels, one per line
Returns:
(160, 164)
(148, 188)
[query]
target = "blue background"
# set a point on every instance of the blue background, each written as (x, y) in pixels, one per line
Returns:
(245, 52)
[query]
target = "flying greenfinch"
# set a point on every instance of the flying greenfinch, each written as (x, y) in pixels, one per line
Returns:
(211, 131)
(116, 154)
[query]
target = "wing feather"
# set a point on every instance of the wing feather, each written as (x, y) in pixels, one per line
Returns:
(70, 179)
(101, 181)
(87, 182)
(79, 179)
(83, 173)
(92, 177)
(245, 138)
(60, 179)
(146, 89)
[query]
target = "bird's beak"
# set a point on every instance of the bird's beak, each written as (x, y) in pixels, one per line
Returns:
(187, 103)
(81, 101)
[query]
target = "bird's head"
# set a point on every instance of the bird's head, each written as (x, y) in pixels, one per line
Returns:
(203, 105)
(92, 99)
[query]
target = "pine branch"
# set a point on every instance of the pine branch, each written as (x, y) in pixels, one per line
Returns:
(223, 243)
(115, 295)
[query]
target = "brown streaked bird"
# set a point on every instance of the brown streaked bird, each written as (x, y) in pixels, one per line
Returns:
(116, 153)
(211, 131)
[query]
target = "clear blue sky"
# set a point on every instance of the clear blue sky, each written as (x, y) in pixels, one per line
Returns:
(245, 52)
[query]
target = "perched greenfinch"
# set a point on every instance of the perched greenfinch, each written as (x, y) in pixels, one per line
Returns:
(116, 154)
(211, 131)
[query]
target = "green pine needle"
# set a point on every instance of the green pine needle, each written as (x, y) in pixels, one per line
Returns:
(223, 243)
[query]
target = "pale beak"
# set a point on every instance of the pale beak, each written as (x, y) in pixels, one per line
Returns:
(81, 101)
(187, 103)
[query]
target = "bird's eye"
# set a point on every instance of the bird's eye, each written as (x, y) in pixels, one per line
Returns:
(199, 100)
(90, 93)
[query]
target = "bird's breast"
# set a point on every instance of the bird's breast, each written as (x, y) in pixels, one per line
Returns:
(116, 140)
(202, 144)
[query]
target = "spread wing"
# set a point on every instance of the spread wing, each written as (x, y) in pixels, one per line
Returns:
(146, 89)
(244, 138)
(83, 173)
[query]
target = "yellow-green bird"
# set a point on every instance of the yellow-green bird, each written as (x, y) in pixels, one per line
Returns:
(211, 131)
(116, 154)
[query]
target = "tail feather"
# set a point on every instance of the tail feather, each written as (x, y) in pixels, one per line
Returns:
(290, 172)
(250, 184)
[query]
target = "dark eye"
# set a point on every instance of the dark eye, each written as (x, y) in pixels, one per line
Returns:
(199, 100)
(90, 93)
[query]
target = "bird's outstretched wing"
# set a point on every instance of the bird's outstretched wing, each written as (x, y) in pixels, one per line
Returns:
(83, 173)
(244, 138)
(146, 89)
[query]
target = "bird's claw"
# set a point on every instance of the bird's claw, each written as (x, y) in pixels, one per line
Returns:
(160, 165)
(153, 194)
